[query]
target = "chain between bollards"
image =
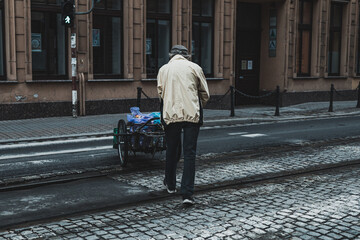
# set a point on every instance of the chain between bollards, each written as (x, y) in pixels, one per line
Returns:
(233, 90)
(331, 98)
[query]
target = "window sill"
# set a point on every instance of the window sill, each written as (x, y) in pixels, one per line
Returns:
(305, 78)
(336, 77)
(69, 81)
(49, 81)
(149, 79)
(215, 79)
(110, 80)
(8, 82)
(207, 79)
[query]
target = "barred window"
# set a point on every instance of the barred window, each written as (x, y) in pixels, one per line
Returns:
(107, 36)
(158, 35)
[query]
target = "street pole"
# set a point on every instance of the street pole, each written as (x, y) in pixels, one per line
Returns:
(74, 58)
(74, 70)
(68, 19)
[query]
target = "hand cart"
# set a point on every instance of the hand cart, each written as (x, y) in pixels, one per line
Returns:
(148, 137)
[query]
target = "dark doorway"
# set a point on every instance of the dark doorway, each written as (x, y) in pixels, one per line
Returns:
(248, 33)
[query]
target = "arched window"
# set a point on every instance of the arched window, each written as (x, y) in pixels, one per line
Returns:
(107, 41)
(202, 34)
(158, 35)
(48, 40)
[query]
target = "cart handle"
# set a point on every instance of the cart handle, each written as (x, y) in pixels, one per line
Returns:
(146, 123)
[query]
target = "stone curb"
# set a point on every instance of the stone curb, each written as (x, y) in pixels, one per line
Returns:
(211, 121)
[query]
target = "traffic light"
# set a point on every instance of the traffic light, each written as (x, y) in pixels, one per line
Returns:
(68, 13)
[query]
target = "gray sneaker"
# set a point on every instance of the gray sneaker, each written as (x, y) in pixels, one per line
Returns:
(171, 191)
(188, 201)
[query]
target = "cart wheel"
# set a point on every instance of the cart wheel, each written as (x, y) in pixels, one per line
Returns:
(122, 143)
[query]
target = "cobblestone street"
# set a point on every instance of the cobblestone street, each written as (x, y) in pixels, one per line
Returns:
(313, 207)
(210, 170)
(324, 206)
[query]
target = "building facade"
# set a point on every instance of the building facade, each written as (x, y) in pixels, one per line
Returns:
(302, 46)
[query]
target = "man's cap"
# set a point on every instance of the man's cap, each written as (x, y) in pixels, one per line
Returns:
(179, 49)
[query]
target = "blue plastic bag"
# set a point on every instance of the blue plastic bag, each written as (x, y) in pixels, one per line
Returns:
(137, 117)
(155, 115)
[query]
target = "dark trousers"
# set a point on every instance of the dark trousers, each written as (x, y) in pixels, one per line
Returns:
(173, 153)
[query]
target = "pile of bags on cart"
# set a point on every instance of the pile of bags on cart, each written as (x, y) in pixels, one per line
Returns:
(136, 117)
(136, 120)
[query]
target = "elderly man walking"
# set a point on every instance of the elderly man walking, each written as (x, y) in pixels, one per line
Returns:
(183, 90)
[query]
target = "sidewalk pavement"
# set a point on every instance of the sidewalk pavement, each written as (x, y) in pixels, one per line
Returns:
(82, 126)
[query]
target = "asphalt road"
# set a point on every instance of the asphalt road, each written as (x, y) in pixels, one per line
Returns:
(65, 155)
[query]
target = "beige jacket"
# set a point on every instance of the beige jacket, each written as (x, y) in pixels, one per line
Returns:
(180, 84)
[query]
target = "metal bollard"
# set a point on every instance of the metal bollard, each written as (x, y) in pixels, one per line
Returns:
(232, 101)
(358, 103)
(277, 111)
(139, 90)
(331, 98)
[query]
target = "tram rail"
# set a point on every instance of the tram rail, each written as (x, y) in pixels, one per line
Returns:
(143, 164)
(202, 188)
